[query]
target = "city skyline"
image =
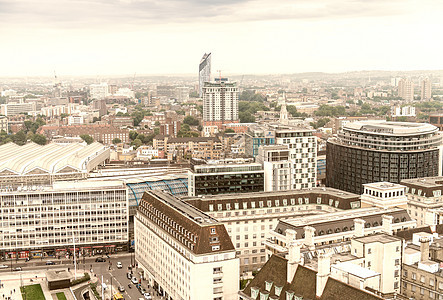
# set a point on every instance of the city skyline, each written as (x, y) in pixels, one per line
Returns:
(127, 37)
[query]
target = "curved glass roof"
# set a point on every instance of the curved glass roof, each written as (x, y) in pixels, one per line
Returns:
(176, 186)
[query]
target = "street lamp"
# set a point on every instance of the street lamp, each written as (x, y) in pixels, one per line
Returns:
(75, 261)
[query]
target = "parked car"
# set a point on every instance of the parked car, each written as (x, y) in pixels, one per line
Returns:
(134, 280)
(50, 263)
(17, 269)
(119, 265)
(129, 275)
(100, 259)
(121, 289)
(4, 266)
(147, 296)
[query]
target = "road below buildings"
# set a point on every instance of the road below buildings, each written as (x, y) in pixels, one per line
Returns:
(108, 269)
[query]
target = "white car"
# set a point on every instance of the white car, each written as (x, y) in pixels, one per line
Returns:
(119, 265)
(147, 296)
(4, 266)
(134, 280)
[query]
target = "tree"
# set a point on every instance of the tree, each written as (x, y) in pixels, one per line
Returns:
(157, 123)
(330, 111)
(229, 130)
(190, 120)
(133, 135)
(95, 119)
(320, 123)
(39, 139)
(136, 143)
(246, 117)
(19, 138)
(87, 138)
(116, 141)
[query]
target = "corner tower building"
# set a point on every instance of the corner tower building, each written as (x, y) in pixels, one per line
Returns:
(374, 151)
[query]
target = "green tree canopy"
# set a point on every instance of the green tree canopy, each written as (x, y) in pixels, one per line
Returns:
(87, 138)
(116, 141)
(39, 139)
(192, 121)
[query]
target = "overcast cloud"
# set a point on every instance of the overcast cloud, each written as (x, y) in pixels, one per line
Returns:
(251, 36)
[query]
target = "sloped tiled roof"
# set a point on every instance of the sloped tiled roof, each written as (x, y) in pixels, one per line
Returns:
(188, 225)
(408, 233)
(337, 290)
(274, 270)
(303, 284)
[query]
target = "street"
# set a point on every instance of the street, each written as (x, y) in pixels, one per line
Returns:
(99, 269)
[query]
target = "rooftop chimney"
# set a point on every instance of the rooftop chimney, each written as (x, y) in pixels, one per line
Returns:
(309, 237)
(424, 248)
(387, 224)
(294, 256)
(359, 227)
(323, 272)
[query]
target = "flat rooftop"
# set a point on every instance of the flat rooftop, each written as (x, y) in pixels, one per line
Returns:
(429, 182)
(355, 270)
(380, 237)
(384, 185)
(320, 190)
(61, 186)
(186, 209)
(383, 127)
(338, 216)
(56, 275)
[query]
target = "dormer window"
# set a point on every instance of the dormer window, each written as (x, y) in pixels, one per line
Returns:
(277, 290)
(264, 296)
(289, 295)
(268, 285)
(254, 292)
(216, 248)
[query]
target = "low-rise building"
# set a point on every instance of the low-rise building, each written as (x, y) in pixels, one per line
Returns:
(422, 276)
(363, 268)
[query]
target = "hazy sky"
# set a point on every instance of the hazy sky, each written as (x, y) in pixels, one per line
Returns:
(104, 37)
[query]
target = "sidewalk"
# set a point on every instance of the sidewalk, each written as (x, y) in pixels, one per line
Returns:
(13, 281)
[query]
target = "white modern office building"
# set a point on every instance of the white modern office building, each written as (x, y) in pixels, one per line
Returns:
(45, 220)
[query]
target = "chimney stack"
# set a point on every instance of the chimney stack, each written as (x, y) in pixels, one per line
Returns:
(387, 224)
(323, 272)
(424, 248)
(294, 256)
(359, 227)
(309, 237)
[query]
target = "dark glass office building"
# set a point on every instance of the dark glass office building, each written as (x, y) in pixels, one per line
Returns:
(213, 179)
(373, 151)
